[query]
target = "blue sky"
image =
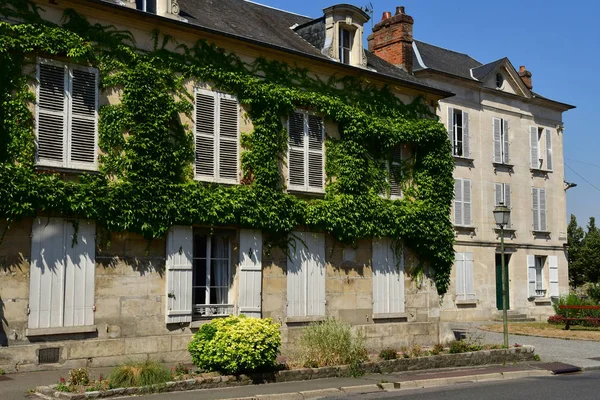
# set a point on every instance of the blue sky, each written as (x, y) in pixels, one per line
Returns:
(557, 41)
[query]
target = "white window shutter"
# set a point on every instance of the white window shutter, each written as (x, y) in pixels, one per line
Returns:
(507, 202)
(534, 146)
(180, 245)
(315, 152)
(505, 138)
(451, 127)
(458, 202)
(531, 275)
(205, 129)
(46, 282)
(315, 273)
(51, 115)
(459, 264)
(553, 268)
(466, 135)
(536, 208)
(467, 202)
(296, 153)
(497, 128)
(250, 283)
(498, 194)
(228, 138)
(542, 203)
(83, 118)
(395, 170)
(79, 274)
(388, 278)
(296, 275)
(469, 276)
(548, 150)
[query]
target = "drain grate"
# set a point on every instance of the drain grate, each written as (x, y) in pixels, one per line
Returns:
(49, 355)
(559, 368)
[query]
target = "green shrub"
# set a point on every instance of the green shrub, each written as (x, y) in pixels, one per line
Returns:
(79, 376)
(437, 349)
(459, 346)
(416, 351)
(388, 354)
(593, 292)
(331, 342)
(139, 374)
(574, 300)
(235, 345)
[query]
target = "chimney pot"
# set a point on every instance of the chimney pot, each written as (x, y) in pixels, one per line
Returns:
(386, 15)
(522, 68)
(399, 10)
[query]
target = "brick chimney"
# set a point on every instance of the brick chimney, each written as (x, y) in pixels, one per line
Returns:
(392, 39)
(525, 77)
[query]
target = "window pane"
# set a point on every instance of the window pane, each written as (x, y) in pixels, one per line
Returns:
(199, 272)
(199, 246)
(199, 295)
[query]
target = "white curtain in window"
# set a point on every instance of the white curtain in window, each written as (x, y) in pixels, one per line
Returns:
(220, 269)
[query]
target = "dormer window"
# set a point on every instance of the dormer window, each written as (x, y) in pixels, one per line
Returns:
(146, 5)
(345, 50)
(499, 80)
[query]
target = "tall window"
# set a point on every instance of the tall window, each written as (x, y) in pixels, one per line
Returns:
(500, 127)
(535, 265)
(502, 196)
(462, 202)
(541, 148)
(217, 132)
(67, 118)
(458, 132)
(345, 45)
(388, 278)
(305, 152)
(395, 172)
(211, 276)
(146, 5)
(465, 278)
(539, 209)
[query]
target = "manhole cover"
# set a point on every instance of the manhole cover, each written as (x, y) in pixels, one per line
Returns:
(559, 368)
(594, 358)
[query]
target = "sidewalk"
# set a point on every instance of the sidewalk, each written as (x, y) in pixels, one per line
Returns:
(15, 386)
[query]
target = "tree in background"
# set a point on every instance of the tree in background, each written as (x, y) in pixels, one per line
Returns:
(575, 235)
(584, 253)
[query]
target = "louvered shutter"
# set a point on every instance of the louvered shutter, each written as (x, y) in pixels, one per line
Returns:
(467, 202)
(179, 274)
(296, 275)
(553, 278)
(548, 150)
(459, 263)
(542, 203)
(395, 171)
(536, 208)
(505, 137)
(497, 128)
(531, 275)
(315, 268)
(498, 194)
(469, 276)
(52, 108)
(507, 202)
(534, 146)
(458, 203)
(79, 274)
(315, 152)
(296, 156)
(451, 128)
(83, 118)
(228, 138)
(205, 134)
(250, 284)
(388, 278)
(466, 137)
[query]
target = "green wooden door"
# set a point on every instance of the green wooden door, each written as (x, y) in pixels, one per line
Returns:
(499, 281)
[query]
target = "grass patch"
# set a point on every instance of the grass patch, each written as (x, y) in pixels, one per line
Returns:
(139, 374)
(548, 330)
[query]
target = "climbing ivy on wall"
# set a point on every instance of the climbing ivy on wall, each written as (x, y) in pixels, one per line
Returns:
(146, 184)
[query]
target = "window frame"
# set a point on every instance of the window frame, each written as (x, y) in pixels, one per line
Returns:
(67, 115)
(342, 31)
(144, 6)
(466, 258)
(505, 187)
(544, 148)
(464, 144)
(536, 194)
(462, 202)
(306, 188)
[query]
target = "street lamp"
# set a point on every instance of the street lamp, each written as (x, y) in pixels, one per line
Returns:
(502, 217)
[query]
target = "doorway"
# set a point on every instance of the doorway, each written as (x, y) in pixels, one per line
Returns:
(499, 280)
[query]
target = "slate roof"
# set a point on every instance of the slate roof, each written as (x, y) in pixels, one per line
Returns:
(480, 73)
(444, 60)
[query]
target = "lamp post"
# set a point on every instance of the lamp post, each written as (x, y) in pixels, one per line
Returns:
(502, 217)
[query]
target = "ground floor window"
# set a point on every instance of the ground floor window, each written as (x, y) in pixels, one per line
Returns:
(535, 267)
(465, 280)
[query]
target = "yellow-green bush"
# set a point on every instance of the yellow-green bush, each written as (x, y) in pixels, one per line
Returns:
(236, 344)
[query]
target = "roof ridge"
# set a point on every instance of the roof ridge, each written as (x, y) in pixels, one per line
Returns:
(278, 9)
(452, 51)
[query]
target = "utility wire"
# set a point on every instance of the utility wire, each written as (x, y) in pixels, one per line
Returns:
(581, 162)
(579, 175)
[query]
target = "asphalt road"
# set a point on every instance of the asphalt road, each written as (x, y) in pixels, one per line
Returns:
(582, 386)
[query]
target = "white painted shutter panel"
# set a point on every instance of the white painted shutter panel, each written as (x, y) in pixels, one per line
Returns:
(534, 145)
(180, 250)
(466, 137)
(548, 150)
(46, 282)
(459, 264)
(395, 171)
(451, 127)
(543, 219)
(497, 128)
(83, 118)
(52, 113)
(315, 281)
(228, 138)
(205, 134)
(531, 274)
(507, 202)
(296, 275)
(498, 192)
(250, 284)
(469, 277)
(505, 155)
(315, 152)
(553, 268)
(467, 202)
(388, 278)
(458, 202)
(296, 157)
(536, 208)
